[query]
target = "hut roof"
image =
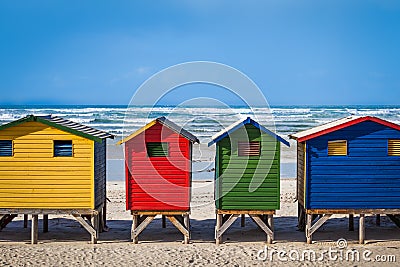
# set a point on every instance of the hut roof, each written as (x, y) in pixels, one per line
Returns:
(233, 127)
(164, 121)
(337, 125)
(64, 125)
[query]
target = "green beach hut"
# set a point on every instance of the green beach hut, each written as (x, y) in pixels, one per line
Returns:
(247, 175)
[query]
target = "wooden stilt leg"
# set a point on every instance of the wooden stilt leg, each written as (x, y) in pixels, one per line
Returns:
(186, 223)
(45, 223)
(95, 225)
(308, 227)
(135, 223)
(378, 219)
(25, 220)
(351, 222)
(101, 223)
(271, 226)
(217, 227)
(103, 218)
(361, 229)
(243, 220)
(301, 218)
(164, 221)
(35, 229)
(105, 227)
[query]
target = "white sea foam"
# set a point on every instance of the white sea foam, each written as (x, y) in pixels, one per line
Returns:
(204, 121)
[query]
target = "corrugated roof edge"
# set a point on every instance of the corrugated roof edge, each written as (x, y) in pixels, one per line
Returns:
(337, 125)
(233, 127)
(176, 128)
(164, 121)
(48, 121)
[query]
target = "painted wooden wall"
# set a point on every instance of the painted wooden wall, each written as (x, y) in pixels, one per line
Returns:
(236, 172)
(158, 183)
(366, 178)
(33, 178)
(301, 172)
(100, 172)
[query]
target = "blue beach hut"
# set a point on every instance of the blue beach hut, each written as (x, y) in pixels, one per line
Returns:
(348, 166)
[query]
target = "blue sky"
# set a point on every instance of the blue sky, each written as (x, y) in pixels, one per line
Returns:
(297, 52)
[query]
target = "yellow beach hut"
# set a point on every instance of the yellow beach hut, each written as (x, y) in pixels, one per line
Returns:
(50, 165)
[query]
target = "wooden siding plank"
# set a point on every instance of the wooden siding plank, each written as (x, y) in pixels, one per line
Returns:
(349, 187)
(250, 197)
(37, 163)
(39, 195)
(41, 179)
(228, 186)
(247, 179)
(32, 175)
(44, 169)
(44, 161)
(248, 171)
(259, 192)
(40, 200)
(53, 190)
(383, 195)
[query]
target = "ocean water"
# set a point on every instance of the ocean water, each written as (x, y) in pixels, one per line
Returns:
(202, 122)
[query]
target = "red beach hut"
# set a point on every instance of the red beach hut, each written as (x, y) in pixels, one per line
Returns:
(158, 171)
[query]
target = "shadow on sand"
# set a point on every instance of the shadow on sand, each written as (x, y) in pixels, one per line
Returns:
(202, 231)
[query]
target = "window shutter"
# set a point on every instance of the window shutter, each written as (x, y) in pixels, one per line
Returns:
(246, 149)
(6, 148)
(394, 147)
(62, 148)
(337, 148)
(157, 149)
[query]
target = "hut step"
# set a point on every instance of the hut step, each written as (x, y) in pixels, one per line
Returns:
(394, 218)
(6, 219)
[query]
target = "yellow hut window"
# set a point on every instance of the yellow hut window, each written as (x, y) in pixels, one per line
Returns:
(62, 148)
(337, 148)
(394, 147)
(6, 148)
(246, 149)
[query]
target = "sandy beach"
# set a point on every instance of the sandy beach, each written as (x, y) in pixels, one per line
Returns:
(67, 243)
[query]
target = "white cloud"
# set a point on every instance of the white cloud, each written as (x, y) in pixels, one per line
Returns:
(143, 70)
